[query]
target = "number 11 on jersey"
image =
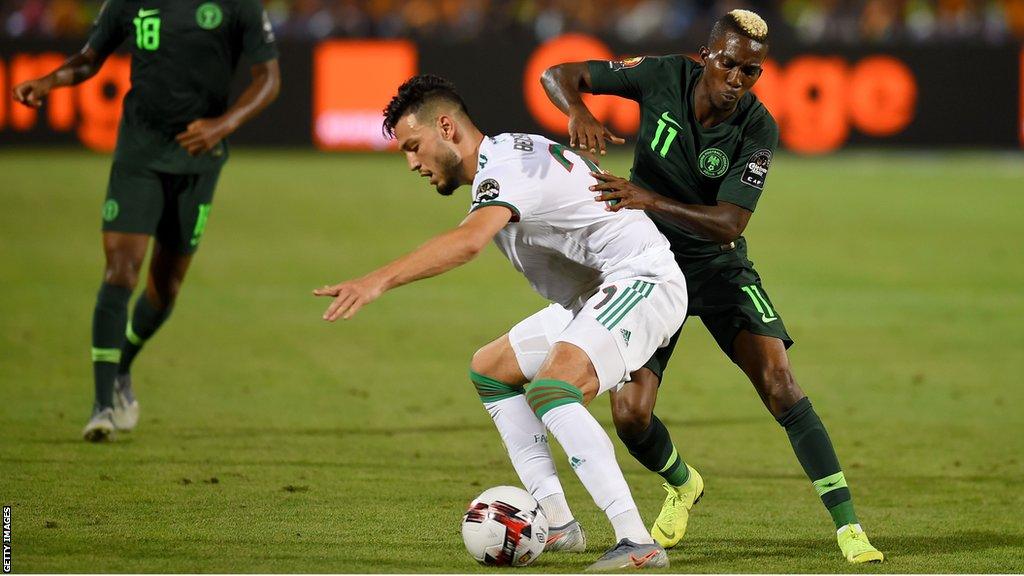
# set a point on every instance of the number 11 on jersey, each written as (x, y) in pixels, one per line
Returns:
(663, 128)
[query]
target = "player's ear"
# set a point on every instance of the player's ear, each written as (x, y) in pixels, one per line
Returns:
(446, 126)
(704, 52)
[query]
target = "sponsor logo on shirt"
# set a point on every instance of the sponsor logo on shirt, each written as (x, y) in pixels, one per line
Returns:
(617, 65)
(756, 169)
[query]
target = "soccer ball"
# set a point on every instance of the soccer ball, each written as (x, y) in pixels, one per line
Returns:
(504, 526)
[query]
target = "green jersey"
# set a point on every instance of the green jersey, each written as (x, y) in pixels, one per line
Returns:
(184, 54)
(676, 156)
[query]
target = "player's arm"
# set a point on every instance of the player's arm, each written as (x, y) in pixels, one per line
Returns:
(437, 256)
(203, 134)
(74, 70)
(105, 37)
(724, 222)
(565, 85)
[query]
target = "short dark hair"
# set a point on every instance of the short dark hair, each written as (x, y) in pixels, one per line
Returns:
(416, 92)
(742, 22)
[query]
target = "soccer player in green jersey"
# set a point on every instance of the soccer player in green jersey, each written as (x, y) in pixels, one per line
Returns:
(170, 149)
(704, 150)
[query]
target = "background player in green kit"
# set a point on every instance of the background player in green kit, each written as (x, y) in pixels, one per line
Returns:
(704, 149)
(170, 149)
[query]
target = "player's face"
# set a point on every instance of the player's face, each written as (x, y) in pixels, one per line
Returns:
(429, 150)
(731, 67)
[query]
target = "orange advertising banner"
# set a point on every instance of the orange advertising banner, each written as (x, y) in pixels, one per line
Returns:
(352, 83)
(333, 94)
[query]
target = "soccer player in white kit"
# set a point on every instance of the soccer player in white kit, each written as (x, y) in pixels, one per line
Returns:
(617, 296)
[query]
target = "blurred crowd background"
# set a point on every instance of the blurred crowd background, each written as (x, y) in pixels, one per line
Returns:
(803, 22)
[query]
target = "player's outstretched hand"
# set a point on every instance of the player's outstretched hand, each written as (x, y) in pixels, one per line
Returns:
(618, 193)
(202, 135)
(586, 133)
(32, 93)
(349, 297)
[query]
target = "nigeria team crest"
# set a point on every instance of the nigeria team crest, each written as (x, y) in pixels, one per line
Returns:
(209, 16)
(713, 162)
(110, 210)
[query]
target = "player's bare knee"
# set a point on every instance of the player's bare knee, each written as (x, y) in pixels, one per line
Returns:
(778, 388)
(498, 360)
(121, 270)
(633, 403)
(570, 364)
(482, 361)
(631, 418)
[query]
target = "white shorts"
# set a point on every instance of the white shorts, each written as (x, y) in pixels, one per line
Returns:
(619, 327)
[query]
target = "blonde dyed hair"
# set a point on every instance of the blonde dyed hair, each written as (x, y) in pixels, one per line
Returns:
(750, 23)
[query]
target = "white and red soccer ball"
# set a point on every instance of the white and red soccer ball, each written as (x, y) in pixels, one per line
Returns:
(504, 526)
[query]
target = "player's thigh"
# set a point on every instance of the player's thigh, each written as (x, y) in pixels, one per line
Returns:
(736, 300)
(497, 360)
(134, 202)
(531, 339)
(191, 195)
(624, 323)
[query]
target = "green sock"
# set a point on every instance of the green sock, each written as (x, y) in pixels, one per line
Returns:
(146, 320)
(814, 450)
(108, 321)
(654, 449)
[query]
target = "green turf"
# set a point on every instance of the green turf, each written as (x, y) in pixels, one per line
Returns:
(272, 441)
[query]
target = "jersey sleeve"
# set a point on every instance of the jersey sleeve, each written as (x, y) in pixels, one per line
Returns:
(258, 42)
(501, 186)
(108, 30)
(744, 181)
(629, 78)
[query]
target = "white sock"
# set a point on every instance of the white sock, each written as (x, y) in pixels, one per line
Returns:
(557, 510)
(630, 525)
(592, 456)
(527, 443)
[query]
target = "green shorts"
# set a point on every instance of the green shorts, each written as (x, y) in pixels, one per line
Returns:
(171, 207)
(726, 293)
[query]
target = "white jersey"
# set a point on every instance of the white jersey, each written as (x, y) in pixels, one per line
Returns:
(565, 243)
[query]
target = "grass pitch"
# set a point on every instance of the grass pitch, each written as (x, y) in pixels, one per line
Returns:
(271, 441)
